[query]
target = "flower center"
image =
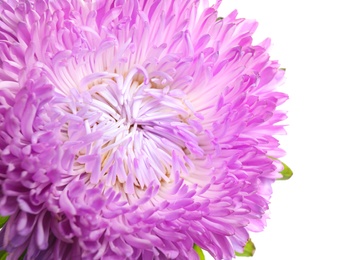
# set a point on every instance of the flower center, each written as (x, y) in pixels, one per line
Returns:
(130, 131)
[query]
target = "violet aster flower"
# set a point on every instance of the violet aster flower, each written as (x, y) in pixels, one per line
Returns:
(133, 129)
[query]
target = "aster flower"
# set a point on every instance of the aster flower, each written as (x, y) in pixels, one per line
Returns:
(134, 129)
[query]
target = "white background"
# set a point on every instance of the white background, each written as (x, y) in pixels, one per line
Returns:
(316, 214)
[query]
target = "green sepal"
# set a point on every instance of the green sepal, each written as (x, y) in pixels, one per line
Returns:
(22, 256)
(249, 249)
(3, 255)
(283, 69)
(286, 172)
(199, 252)
(3, 221)
(219, 18)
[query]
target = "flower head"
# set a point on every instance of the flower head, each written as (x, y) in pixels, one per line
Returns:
(133, 129)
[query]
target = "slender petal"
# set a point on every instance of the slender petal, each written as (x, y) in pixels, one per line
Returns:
(134, 129)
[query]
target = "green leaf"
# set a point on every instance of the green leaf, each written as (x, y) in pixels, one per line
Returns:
(199, 252)
(283, 69)
(3, 221)
(219, 18)
(3, 255)
(249, 249)
(286, 172)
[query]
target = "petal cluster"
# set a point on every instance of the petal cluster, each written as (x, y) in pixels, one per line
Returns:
(134, 129)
